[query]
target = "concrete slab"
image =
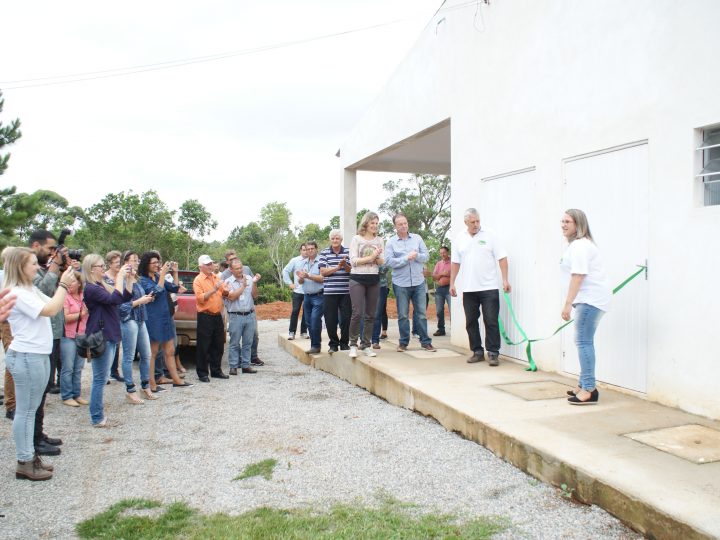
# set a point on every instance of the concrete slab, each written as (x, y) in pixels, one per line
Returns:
(524, 418)
(697, 444)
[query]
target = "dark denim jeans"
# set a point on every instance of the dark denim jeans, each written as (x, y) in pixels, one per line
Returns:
(381, 318)
(313, 307)
(416, 295)
(297, 302)
(442, 295)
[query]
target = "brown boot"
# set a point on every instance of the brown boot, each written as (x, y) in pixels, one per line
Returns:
(31, 471)
(45, 466)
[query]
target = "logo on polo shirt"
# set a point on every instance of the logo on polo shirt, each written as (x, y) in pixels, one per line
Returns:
(482, 242)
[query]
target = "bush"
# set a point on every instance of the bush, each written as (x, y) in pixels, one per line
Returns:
(272, 292)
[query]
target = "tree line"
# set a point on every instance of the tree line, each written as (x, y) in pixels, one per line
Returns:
(143, 221)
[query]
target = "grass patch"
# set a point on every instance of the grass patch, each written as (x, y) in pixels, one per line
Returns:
(263, 468)
(389, 520)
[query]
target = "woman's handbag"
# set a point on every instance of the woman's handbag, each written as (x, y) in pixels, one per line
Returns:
(90, 346)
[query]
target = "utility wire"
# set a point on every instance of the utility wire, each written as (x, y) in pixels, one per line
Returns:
(170, 64)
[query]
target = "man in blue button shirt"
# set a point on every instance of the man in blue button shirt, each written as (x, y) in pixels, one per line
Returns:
(407, 254)
(312, 282)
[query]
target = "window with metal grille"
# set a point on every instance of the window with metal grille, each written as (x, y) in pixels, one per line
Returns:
(710, 173)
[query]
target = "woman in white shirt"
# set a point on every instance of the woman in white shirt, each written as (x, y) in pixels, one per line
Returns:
(28, 356)
(589, 293)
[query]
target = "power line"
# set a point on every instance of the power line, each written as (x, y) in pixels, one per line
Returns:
(171, 64)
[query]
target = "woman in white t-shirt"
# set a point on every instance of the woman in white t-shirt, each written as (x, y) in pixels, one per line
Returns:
(366, 254)
(589, 293)
(28, 356)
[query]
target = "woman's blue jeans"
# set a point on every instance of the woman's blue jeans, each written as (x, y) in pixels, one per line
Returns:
(101, 372)
(135, 337)
(587, 318)
(30, 373)
(72, 366)
(380, 315)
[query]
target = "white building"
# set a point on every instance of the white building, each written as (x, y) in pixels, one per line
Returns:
(535, 106)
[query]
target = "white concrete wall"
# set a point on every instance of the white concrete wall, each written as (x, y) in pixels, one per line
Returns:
(529, 83)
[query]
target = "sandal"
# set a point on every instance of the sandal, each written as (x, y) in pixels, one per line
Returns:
(132, 398)
(149, 394)
(164, 380)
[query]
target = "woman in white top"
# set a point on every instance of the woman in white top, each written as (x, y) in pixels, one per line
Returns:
(28, 356)
(589, 293)
(366, 254)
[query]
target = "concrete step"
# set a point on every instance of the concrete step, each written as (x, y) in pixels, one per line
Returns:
(655, 468)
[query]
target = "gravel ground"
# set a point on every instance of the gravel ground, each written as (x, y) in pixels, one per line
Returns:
(334, 443)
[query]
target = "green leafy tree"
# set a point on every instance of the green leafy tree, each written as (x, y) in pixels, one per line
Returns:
(130, 220)
(13, 212)
(425, 201)
(279, 239)
(195, 220)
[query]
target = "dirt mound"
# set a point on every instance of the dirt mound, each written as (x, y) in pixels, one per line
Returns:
(281, 310)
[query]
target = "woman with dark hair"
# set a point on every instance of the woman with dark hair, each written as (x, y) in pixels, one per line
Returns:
(159, 318)
(135, 336)
(28, 357)
(588, 293)
(76, 316)
(102, 301)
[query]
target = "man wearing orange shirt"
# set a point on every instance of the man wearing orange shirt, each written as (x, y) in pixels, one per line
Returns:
(209, 291)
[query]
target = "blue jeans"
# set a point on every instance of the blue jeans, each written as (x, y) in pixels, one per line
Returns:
(30, 373)
(71, 372)
(242, 328)
(380, 315)
(587, 318)
(442, 295)
(135, 337)
(416, 295)
(101, 372)
(313, 307)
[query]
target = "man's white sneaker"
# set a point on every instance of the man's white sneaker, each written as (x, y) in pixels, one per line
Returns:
(291, 336)
(353, 352)
(367, 351)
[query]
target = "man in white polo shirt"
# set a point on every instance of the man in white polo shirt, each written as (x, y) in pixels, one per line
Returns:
(478, 251)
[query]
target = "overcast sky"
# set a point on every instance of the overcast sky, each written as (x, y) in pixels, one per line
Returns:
(234, 133)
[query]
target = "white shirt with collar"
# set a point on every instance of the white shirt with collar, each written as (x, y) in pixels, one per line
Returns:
(477, 256)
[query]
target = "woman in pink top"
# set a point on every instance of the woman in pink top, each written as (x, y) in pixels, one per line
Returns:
(76, 315)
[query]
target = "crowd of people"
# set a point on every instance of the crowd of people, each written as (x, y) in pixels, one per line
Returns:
(50, 303)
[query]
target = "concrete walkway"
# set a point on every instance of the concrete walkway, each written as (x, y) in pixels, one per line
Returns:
(655, 468)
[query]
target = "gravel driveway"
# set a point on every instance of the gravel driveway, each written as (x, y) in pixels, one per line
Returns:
(334, 443)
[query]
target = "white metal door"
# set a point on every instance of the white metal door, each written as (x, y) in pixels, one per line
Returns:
(612, 189)
(506, 202)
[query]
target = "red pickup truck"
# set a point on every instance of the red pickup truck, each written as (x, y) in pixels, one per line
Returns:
(186, 312)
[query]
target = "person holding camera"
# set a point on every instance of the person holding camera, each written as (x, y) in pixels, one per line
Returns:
(52, 258)
(112, 266)
(28, 355)
(133, 315)
(159, 317)
(102, 301)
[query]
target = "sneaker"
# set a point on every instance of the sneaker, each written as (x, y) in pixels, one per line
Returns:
(353, 352)
(54, 389)
(367, 351)
(428, 347)
(305, 335)
(71, 403)
(257, 362)
(383, 335)
(401, 348)
(331, 350)
(315, 350)
(117, 377)
(291, 336)
(439, 333)
(493, 360)
(344, 347)
(375, 345)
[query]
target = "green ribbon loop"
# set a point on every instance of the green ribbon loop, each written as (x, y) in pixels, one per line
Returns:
(528, 349)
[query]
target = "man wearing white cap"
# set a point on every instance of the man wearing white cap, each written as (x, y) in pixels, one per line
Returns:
(209, 292)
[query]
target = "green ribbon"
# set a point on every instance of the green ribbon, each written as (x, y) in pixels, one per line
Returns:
(525, 339)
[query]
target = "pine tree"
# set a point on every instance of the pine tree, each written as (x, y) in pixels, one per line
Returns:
(8, 135)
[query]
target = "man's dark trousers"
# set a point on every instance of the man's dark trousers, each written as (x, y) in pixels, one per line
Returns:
(210, 340)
